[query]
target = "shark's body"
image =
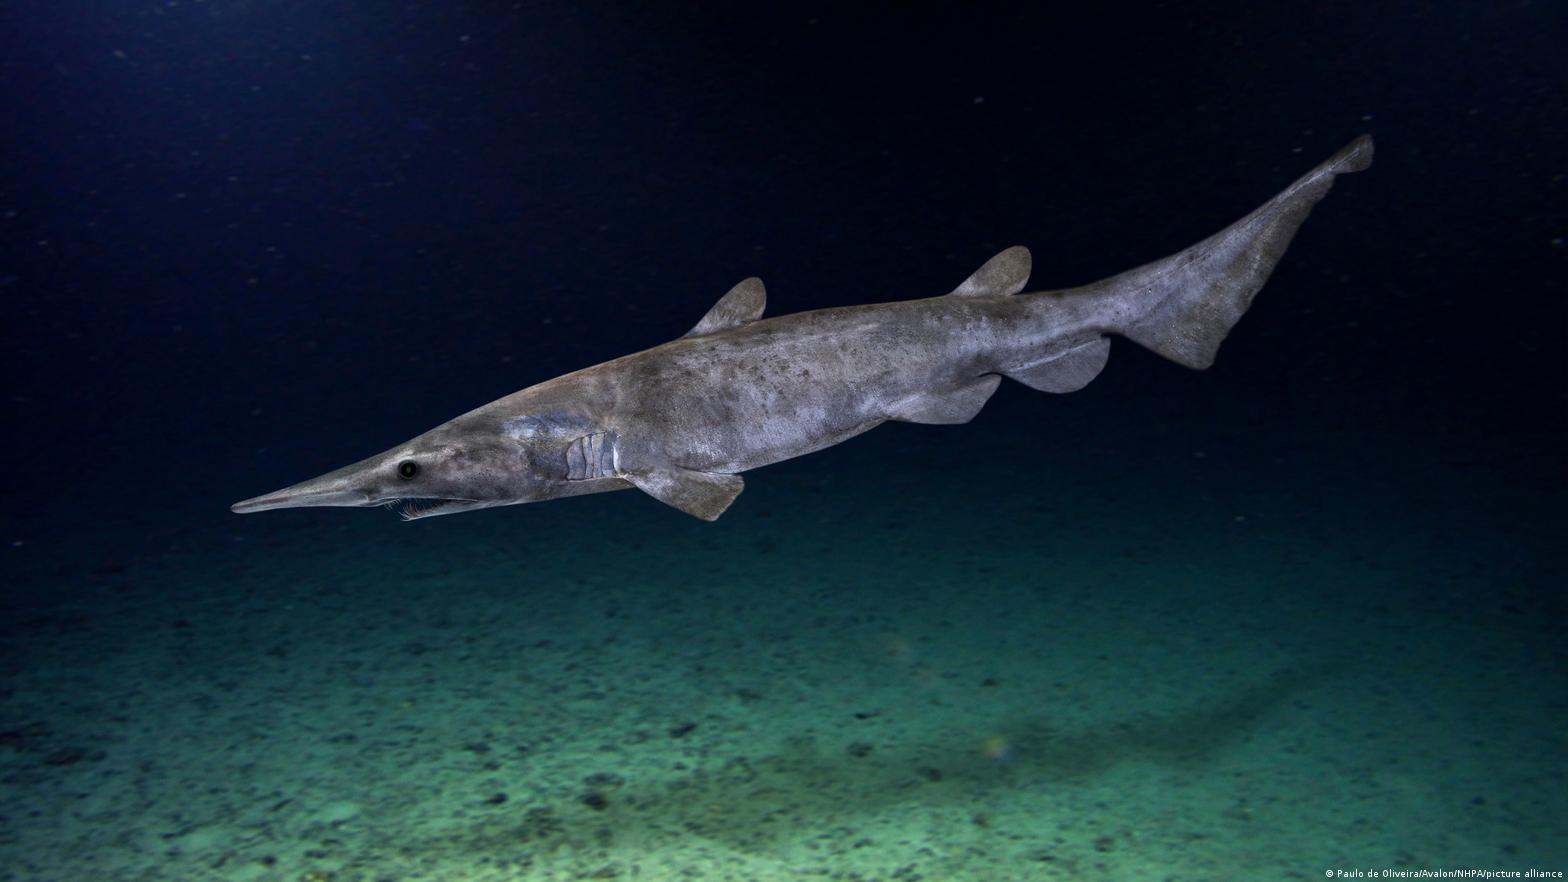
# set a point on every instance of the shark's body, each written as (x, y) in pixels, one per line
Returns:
(681, 420)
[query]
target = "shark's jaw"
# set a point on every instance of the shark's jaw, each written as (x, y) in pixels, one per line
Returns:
(412, 508)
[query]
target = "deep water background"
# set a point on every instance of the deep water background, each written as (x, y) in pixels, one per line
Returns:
(246, 243)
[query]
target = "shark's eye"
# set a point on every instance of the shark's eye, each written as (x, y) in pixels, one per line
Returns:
(407, 469)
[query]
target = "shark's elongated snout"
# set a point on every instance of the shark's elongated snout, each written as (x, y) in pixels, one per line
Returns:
(430, 475)
(316, 492)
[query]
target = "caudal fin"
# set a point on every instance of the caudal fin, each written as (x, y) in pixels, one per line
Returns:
(1184, 305)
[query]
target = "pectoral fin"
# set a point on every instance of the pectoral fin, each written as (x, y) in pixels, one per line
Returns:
(701, 494)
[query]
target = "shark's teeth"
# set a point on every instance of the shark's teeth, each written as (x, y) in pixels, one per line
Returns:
(413, 508)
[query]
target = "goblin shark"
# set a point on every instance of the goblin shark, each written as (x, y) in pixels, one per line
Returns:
(681, 421)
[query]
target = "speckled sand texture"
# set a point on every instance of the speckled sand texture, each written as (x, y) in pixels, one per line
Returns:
(1194, 673)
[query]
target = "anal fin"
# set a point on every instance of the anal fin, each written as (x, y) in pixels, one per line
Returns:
(701, 494)
(948, 407)
(1066, 371)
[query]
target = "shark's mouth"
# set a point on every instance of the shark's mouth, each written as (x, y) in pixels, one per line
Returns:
(412, 508)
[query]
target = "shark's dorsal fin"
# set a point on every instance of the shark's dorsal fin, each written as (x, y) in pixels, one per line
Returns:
(742, 305)
(1002, 276)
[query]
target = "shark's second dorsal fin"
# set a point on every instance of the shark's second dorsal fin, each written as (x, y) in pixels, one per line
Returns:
(742, 305)
(1002, 276)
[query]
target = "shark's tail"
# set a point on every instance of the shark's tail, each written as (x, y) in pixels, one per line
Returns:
(1183, 306)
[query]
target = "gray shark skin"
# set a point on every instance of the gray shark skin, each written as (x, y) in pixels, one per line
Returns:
(680, 421)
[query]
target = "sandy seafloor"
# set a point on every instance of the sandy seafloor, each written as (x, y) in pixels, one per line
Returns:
(1179, 645)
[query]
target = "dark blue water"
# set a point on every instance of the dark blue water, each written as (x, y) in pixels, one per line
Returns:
(1297, 613)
